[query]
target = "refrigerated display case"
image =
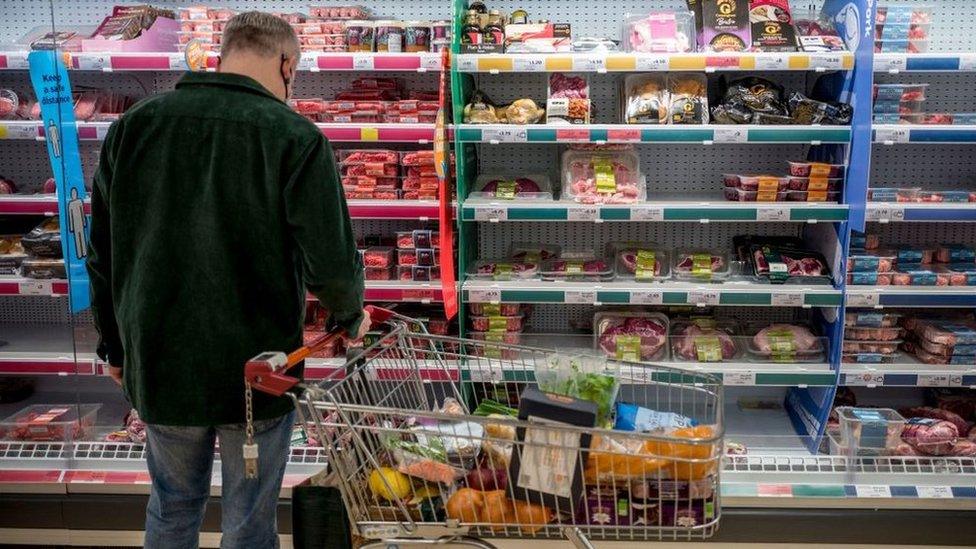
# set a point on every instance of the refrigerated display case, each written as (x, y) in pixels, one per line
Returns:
(784, 317)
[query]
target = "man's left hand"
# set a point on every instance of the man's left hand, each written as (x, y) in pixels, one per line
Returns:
(115, 372)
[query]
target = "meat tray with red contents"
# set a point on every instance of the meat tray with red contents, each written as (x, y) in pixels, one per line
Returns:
(378, 256)
(50, 422)
(705, 340)
(877, 261)
(505, 269)
(632, 336)
(418, 274)
(816, 169)
(781, 264)
(873, 334)
(421, 238)
(418, 256)
(787, 343)
(640, 262)
(854, 319)
(586, 269)
(379, 273)
(489, 351)
(883, 347)
(495, 309)
(497, 323)
(602, 177)
(700, 265)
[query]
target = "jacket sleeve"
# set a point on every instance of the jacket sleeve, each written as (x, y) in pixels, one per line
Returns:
(315, 208)
(99, 262)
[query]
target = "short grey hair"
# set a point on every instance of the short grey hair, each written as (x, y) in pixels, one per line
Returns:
(261, 33)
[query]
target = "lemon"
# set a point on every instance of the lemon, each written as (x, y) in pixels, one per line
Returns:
(399, 484)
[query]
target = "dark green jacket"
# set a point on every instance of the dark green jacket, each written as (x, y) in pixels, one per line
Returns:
(214, 207)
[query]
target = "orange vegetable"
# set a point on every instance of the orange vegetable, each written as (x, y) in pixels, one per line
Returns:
(497, 509)
(610, 459)
(685, 470)
(466, 505)
(532, 517)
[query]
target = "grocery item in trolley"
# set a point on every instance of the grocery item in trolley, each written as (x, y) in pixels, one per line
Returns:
(704, 340)
(641, 262)
(700, 265)
(631, 336)
(510, 187)
(583, 269)
(663, 31)
(602, 177)
(780, 342)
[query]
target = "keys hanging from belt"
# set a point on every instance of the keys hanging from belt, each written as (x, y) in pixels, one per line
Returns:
(250, 448)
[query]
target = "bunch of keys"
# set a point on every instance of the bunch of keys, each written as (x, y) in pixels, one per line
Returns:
(250, 448)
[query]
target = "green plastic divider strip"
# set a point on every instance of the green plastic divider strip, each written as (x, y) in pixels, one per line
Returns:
(802, 136)
(694, 214)
(792, 380)
(816, 491)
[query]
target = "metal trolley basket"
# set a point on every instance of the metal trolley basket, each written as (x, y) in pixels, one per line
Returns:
(402, 439)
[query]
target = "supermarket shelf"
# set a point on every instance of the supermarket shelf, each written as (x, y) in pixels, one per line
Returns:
(704, 210)
(895, 63)
(634, 133)
(894, 134)
(395, 290)
(911, 296)
(645, 62)
(668, 293)
(175, 61)
(12, 286)
(908, 372)
(893, 212)
(40, 204)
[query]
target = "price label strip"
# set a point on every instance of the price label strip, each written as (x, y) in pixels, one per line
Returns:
(583, 214)
(772, 62)
(890, 136)
(741, 379)
(730, 135)
(647, 297)
(891, 63)
(652, 63)
(866, 379)
(866, 299)
(491, 213)
(491, 295)
(775, 214)
(505, 135)
(874, 491)
(585, 297)
(532, 63)
(786, 299)
(704, 298)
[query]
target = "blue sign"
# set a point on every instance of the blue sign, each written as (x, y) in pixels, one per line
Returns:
(53, 91)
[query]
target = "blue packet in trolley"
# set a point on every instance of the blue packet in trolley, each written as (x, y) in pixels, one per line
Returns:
(631, 417)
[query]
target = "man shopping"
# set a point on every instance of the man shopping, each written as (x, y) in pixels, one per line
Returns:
(214, 208)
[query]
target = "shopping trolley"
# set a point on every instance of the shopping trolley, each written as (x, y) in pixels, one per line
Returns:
(417, 461)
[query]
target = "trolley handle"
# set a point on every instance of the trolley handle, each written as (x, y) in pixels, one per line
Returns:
(266, 371)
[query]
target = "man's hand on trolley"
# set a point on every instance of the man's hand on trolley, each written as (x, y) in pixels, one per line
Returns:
(364, 327)
(115, 372)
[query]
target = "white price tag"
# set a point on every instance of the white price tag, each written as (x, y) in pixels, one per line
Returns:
(730, 135)
(490, 213)
(307, 61)
(746, 379)
(588, 213)
(650, 62)
(18, 131)
(529, 63)
(772, 62)
(17, 60)
(790, 299)
(864, 379)
(177, 62)
(487, 373)
(101, 130)
(647, 214)
(885, 213)
(35, 287)
(362, 62)
(967, 62)
(490, 295)
(586, 297)
(589, 63)
(863, 299)
(772, 214)
(826, 61)
(872, 491)
(645, 297)
(934, 492)
(890, 135)
(430, 61)
(940, 380)
(94, 62)
(702, 298)
(381, 532)
(467, 63)
(892, 62)
(514, 134)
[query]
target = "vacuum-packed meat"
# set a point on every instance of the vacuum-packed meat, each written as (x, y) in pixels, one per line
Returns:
(703, 343)
(646, 332)
(962, 426)
(776, 335)
(931, 437)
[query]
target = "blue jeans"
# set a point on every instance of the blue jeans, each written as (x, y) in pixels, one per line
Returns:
(180, 464)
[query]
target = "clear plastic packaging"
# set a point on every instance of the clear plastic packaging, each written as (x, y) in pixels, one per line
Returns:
(899, 98)
(787, 343)
(869, 279)
(705, 340)
(955, 197)
(633, 336)
(419, 256)
(420, 238)
(869, 431)
(943, 349)
(51, 423)
(893, 194)
(902, 31)
(641, 262)
(955, 253)
(869, 358)
(814, 183)
(915, 254)
(902, 14)
(510, 187)
(568, 99)
(930, 118)
(816, 169)
(418, 274)
(663, 31)
(960, 274)
(865, 241)
(878, 261)
(740, 195)
(488, 351)
(589, 269)
(689, 98)
(389, 36)
(762, 183)
(495, 309)
(877, 347)
(917, 274)
(360, 35)
(855, 333)
(786, 264)
(646, 99)
(380, 273)
(871, 319)
(533, 251)
(504, 269)
(348, 157)
(701, 265)
(43, 268)
(813, 196)
(378, 256)
(602, 177)
(901, 46)
(497, 323)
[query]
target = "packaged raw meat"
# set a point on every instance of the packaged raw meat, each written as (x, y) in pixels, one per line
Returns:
(423, 257)
(418, 274)
(689, 99)
(378, 256)
(932, 437)
(523, 187)
(787, 343)
(814, 183)
(903, 14)
(947, 196)
(505, 269)
(700, 265)
(869, 358)
(585, 269)
(704, 340)
(783, 264)
(878, 261)
(816, 169)
(497, 323)
(367, 156)
(893, 194)
(662, 31)
(379, 273)
(960, 274)
(739, 195)
(360, 35)
(917, 274)
(763, 183)
(51, 423)
(882, 347)
(942, 349)
(642, 262)
(529, 251)
(929, 358)
(872, 334)
(915, 254)
(602, 177)
(421, 238)
(901, 46)
(865, 241)
(948, 333)
(631, 335)
(870, 431)
(897, 93)
(417, 158)
(962, 426)
(495, 309)
(869, 279)
(568, 100)
(955, 253)
(646, 99)
(495, 351)
(870, 319)
(338, 12)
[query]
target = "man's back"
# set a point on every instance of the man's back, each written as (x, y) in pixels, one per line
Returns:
(218, 197)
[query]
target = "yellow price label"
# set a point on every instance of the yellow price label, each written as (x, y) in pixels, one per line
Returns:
(3, 132)
(369, 134)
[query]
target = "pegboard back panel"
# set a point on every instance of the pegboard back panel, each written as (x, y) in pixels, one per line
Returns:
(39, 310)
(495, 239)
(932, 167)
(953, 22)
(947, 92)
(924, 233)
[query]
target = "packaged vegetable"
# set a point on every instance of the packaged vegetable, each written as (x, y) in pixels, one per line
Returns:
(632, 336)
(584, 377)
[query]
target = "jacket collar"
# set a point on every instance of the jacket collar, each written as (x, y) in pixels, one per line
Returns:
(224, 80)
